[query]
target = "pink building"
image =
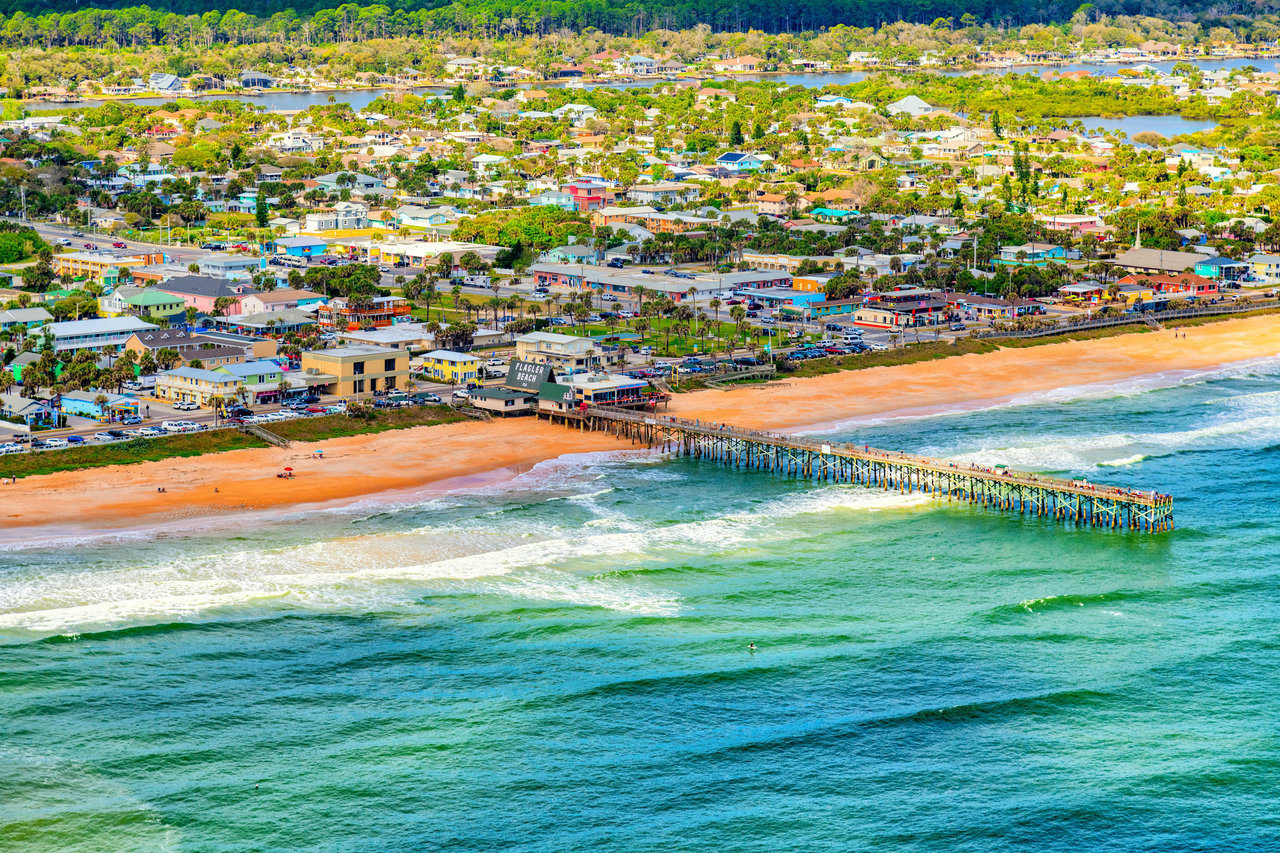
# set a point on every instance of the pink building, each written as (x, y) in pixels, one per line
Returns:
(202, 292)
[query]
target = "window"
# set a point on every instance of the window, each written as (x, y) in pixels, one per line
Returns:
(357, 386)
(357, 368)
(389, 365)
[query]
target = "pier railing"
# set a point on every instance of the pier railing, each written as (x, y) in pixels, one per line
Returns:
(1076, 500)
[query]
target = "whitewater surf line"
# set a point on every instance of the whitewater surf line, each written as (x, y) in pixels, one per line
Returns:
(1076, 501)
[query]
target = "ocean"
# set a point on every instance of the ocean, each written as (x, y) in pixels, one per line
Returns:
(561, 662)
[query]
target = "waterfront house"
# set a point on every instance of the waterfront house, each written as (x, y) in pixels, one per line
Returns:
(455, 368)
(18, 409)
(86, 404)
(195, 385)
(357, 369)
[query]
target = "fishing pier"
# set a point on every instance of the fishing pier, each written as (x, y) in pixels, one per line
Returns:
(1073, 501)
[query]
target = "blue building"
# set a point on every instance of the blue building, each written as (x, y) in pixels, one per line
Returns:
(301, 247)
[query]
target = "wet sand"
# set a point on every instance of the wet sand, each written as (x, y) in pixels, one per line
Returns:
(455, 455)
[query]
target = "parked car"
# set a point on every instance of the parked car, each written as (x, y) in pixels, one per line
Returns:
(131, 419)
(103, 437)
(617, 263)
(55, 443)
(185, 406)
(462, 394)
(75, 439)
(150, 432)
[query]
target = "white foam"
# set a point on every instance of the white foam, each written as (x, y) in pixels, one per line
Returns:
(523, 558)
(1133, 386)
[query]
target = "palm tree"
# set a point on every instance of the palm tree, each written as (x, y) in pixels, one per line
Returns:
(216, 402)
(642, 325)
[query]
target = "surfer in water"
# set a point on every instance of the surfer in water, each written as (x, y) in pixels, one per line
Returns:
(751, 647)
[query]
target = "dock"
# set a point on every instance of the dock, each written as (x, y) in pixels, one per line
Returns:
(1078, 502)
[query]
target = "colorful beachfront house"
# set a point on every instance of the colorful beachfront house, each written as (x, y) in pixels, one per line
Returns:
(1223, 269)
(1082, 291)
(1030, 255)
(18, 409)
(97, 405)
(1185, 285)
(455, 368)
(195, 385)
(991, 308)
(260, 378)
(1265, 268)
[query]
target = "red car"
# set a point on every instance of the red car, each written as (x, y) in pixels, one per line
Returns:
(90, 246)
(119, 245)
(734, 302)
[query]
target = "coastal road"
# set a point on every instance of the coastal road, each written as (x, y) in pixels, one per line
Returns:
(53, 233)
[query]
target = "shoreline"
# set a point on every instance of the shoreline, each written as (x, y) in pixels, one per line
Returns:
(462, 455)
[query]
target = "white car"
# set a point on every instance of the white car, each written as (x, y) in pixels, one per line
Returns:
(177, 426)
(11, 448)
(185, 407)
(150, 432)
(462, 394)
(56, 442)
(103, 436)
(495, 362)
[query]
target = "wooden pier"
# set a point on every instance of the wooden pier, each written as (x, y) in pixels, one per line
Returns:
(1073, 501)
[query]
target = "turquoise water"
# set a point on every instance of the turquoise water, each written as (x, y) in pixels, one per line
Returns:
(560, 663)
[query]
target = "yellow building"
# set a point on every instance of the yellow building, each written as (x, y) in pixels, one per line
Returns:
(358, 369)
(194, 385)
(812, 282)
(100, 266)
(456, 368)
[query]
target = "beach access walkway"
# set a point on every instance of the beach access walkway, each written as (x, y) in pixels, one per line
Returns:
(1075, 501)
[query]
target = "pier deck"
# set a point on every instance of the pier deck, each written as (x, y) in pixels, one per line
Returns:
(1075, 501)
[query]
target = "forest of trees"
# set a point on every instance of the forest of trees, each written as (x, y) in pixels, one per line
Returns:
(67, 22)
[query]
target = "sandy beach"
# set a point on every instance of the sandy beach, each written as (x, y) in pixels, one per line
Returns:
(457, 455)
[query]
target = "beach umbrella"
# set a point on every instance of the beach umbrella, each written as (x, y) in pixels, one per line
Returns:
(288, 469)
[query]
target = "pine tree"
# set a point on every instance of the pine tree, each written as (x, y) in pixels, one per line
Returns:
(735, 133)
